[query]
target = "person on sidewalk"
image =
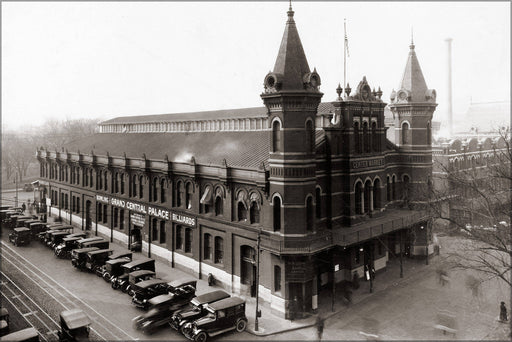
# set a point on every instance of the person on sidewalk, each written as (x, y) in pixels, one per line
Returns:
(319, 327)
(23, 207)
(355, 280)
(503, 312)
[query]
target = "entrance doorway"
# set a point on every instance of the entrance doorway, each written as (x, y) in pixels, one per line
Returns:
(136, 239)
(248, 268)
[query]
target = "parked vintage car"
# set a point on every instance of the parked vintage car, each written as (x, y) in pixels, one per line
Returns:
(47, 227)
(55, 229)
(19, 220)
(36, 228)
(68, 244)
(20, 236)
(6, 217)
(195, 309)
(116, 255)
(24, 335)
(161, 308)
(136, 277)
(57, 238)
(79, 256)
(96, 259)
(147, 289)
(74, 325)
(223, 315)
(139, 264)
(112, 268)
(4, 321)
(27, 223)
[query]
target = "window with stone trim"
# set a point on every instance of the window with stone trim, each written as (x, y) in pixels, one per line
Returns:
(188, 240)
(179, 237)
(207, 247)
(219, 250)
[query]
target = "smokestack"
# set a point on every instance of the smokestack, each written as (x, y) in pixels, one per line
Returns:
(450, 106)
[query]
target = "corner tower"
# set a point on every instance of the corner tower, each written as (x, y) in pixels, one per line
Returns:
(292, 96)
(413, 106)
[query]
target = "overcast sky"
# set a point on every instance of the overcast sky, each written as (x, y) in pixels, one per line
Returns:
(102, 60)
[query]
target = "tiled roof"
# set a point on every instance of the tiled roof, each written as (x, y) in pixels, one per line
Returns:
(413, 79)
(240, 149)
(206, 115)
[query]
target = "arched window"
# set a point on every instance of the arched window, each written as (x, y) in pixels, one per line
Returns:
(134, 186)
(366, 135)
(318, 203)
(179, 194)
(155, 189)
(242, 211)
(141, 186)
(122, 183)
(376, 194)
(100, 180)
(429, 134)
(219, 210)
(116, 182)
(254, 212)
(359, 198)
(162, 231)
(179, 237)
(219, 250)
(388, 189)
(91, 177)
(310, 222)
(105, 180)
(367, 196)
(277, 214)
(310, 136)
(357, 137)
(375, 138)
(188, 197)
(405, 133)
(276, 136)
(162, 191)
(393, 188)
(100, 216)
(154, 229)
(207, 247)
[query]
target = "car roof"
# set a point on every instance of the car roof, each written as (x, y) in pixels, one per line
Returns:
(141, 273)
(211, 296)
(138, 262)
(21, 229)
(75, 318)
(120, 254)
(72, 238)
(118, 261)
(85, 250)
(96, 238)
(67, 226)
(147, 283)
(36, 222)
(59, 233)
(79, 234)
(100, 251)
(181, 281)
(161, 299)
(226, 303)
(21, 335)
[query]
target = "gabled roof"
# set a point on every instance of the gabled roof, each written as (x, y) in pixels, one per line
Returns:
(412, 79)
(291, 62)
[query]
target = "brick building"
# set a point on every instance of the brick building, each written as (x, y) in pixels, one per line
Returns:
(299, 193)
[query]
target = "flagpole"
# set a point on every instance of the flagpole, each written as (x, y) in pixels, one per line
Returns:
(345, 54)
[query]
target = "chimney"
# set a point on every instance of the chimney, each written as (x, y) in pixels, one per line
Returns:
(450, 107)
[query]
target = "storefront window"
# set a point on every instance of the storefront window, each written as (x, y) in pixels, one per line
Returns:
(207, 254)
(188, 240)
(154, 229)
(179, 237)
(162, 231)
(219, 250)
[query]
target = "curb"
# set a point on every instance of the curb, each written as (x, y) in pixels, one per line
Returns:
(252, 332)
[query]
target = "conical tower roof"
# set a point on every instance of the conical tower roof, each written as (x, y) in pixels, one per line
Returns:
(291, 63)
(413, 80)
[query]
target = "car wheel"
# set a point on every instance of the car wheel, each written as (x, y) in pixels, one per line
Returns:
(201, 337)
(114, 285)
(182, 329)
(106, 276)
(241, 325)
(125, 288)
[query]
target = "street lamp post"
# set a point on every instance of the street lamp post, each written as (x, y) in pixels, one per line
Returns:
(16, 196)
(258, 241)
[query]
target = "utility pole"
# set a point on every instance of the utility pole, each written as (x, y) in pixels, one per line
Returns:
(258, 242)
(16, 196)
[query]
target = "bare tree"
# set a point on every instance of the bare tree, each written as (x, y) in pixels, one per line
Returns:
(472, 195)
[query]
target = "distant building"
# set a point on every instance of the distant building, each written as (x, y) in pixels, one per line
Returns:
(313, 191)
(483, 118)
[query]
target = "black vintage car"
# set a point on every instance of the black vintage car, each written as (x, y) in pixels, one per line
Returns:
(147, 289)
(196, 309)
(47, 227)
(19, 220)
(74, 325)
(121, 281)
(20, 236)
(96, 259)
(101, 272)
(27, 223)
(36, 228)
(161, 308)
(222, 316)
(112, 268)
(23, 335)
(57, 237)
(56, 229)
(136, 277)
(68, 244)
(79, 256)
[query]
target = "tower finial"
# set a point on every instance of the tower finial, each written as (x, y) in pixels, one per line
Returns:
(412, 38)
(290, 11)
(290, 5)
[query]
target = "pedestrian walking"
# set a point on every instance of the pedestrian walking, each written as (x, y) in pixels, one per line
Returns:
(503, 312)
(319, 327)
(23, 207)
